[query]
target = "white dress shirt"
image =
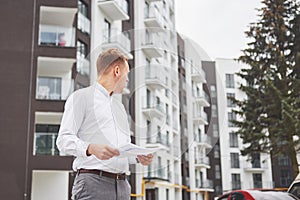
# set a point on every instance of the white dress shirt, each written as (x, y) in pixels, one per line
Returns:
(93, 116)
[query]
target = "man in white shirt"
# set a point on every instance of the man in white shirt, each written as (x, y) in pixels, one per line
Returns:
(93, 126)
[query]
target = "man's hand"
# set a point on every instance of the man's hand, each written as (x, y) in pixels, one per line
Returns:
(102, 152)
(145, 160)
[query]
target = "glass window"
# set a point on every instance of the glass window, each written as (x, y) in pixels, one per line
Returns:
(82, 8)
(107, 31)
(230, 97)
(285, 178)
(284, 160)
(231, 117)
(48, 88)
(217, 172)
(256, 160)
(214, 110)
(233, 139)
(81, 49)
(229, 81)
(213, 91)
(234, 160)
(217, 151)
(236, 181)
(257, 180)
(45, 139)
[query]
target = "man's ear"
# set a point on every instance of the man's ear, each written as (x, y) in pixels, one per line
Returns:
(117, 70)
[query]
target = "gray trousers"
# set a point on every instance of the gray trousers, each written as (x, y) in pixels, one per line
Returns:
(89, 186)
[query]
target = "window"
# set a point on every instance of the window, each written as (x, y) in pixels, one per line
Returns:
(235, 161)
(82, 8)
(231, 118)
(237, 196)
(285, 178)
(217, 151)
(236, 181)
(233, 139)
(230, 97)
(48, 88)
(45, 139)
(148, 132)
(213, 91)
(81, 49)
(284, 160)
(107, 31)
(215, 130)
(167, 194)
(148, 98)
(229, 81)
(257, 180)
(214, 110)
(256, 160)
(217, 172)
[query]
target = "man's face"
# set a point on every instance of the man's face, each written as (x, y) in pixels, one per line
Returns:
(123, 79)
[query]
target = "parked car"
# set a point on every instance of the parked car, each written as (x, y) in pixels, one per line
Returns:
(295, 187)
(257, 195)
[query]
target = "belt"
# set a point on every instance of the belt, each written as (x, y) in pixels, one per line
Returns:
(103, 173)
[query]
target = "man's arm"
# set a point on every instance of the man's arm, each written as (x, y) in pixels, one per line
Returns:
(67, 141)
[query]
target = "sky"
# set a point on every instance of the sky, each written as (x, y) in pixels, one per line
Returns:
(218, 26)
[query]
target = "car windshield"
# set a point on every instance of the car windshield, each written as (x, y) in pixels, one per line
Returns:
(272, 195)
(295, 190)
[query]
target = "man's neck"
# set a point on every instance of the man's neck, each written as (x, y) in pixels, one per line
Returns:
(107, 85)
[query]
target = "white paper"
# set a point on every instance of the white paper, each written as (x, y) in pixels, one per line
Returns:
(134, 150)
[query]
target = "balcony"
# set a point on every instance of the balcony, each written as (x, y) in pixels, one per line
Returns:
(114, 38)
(200, 118)
(114, 9)
(202, 163)
(83, 65)
(202, 100)
(203, 140)
(160, 140)
(198, 75)
(44, 144)
(83, 23)
(256, 167)
(151, 111)
(57, 16)
(153, 18)
(155, 78)
(156, 172)
(205, 185)
(152, 45)
(54, 80)
(56, 36)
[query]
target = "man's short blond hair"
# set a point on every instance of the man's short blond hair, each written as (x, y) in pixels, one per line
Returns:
(109, 58)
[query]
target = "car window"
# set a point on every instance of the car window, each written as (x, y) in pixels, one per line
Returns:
(237, 196)
(223, 197)
(295, 190)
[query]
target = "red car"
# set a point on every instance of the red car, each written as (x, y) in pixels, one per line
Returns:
(257, 195)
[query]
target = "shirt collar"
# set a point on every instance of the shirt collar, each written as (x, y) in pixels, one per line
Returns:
(100, 88)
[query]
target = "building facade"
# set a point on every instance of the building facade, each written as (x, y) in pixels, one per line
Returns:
(234, 167)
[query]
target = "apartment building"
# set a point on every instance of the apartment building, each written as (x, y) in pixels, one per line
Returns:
(236, 168)
(156, 98)
(214, 173)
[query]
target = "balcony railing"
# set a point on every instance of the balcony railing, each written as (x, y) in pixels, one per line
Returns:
(84, 24)
(116, 38)
(256, 166)
(202, 162)
(156, 172)
(200, 117)
(152, 45)
(155, 78)
(159, 138)
(56, 36)
(198, 74)
(153, 18)
(44, 144)
(49, 88)
(204, 184)
(83, 65)
(203, 138)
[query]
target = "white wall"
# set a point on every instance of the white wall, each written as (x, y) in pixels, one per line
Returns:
(49, 185)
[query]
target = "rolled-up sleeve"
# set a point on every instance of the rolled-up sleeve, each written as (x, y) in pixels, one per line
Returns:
(68, 141)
